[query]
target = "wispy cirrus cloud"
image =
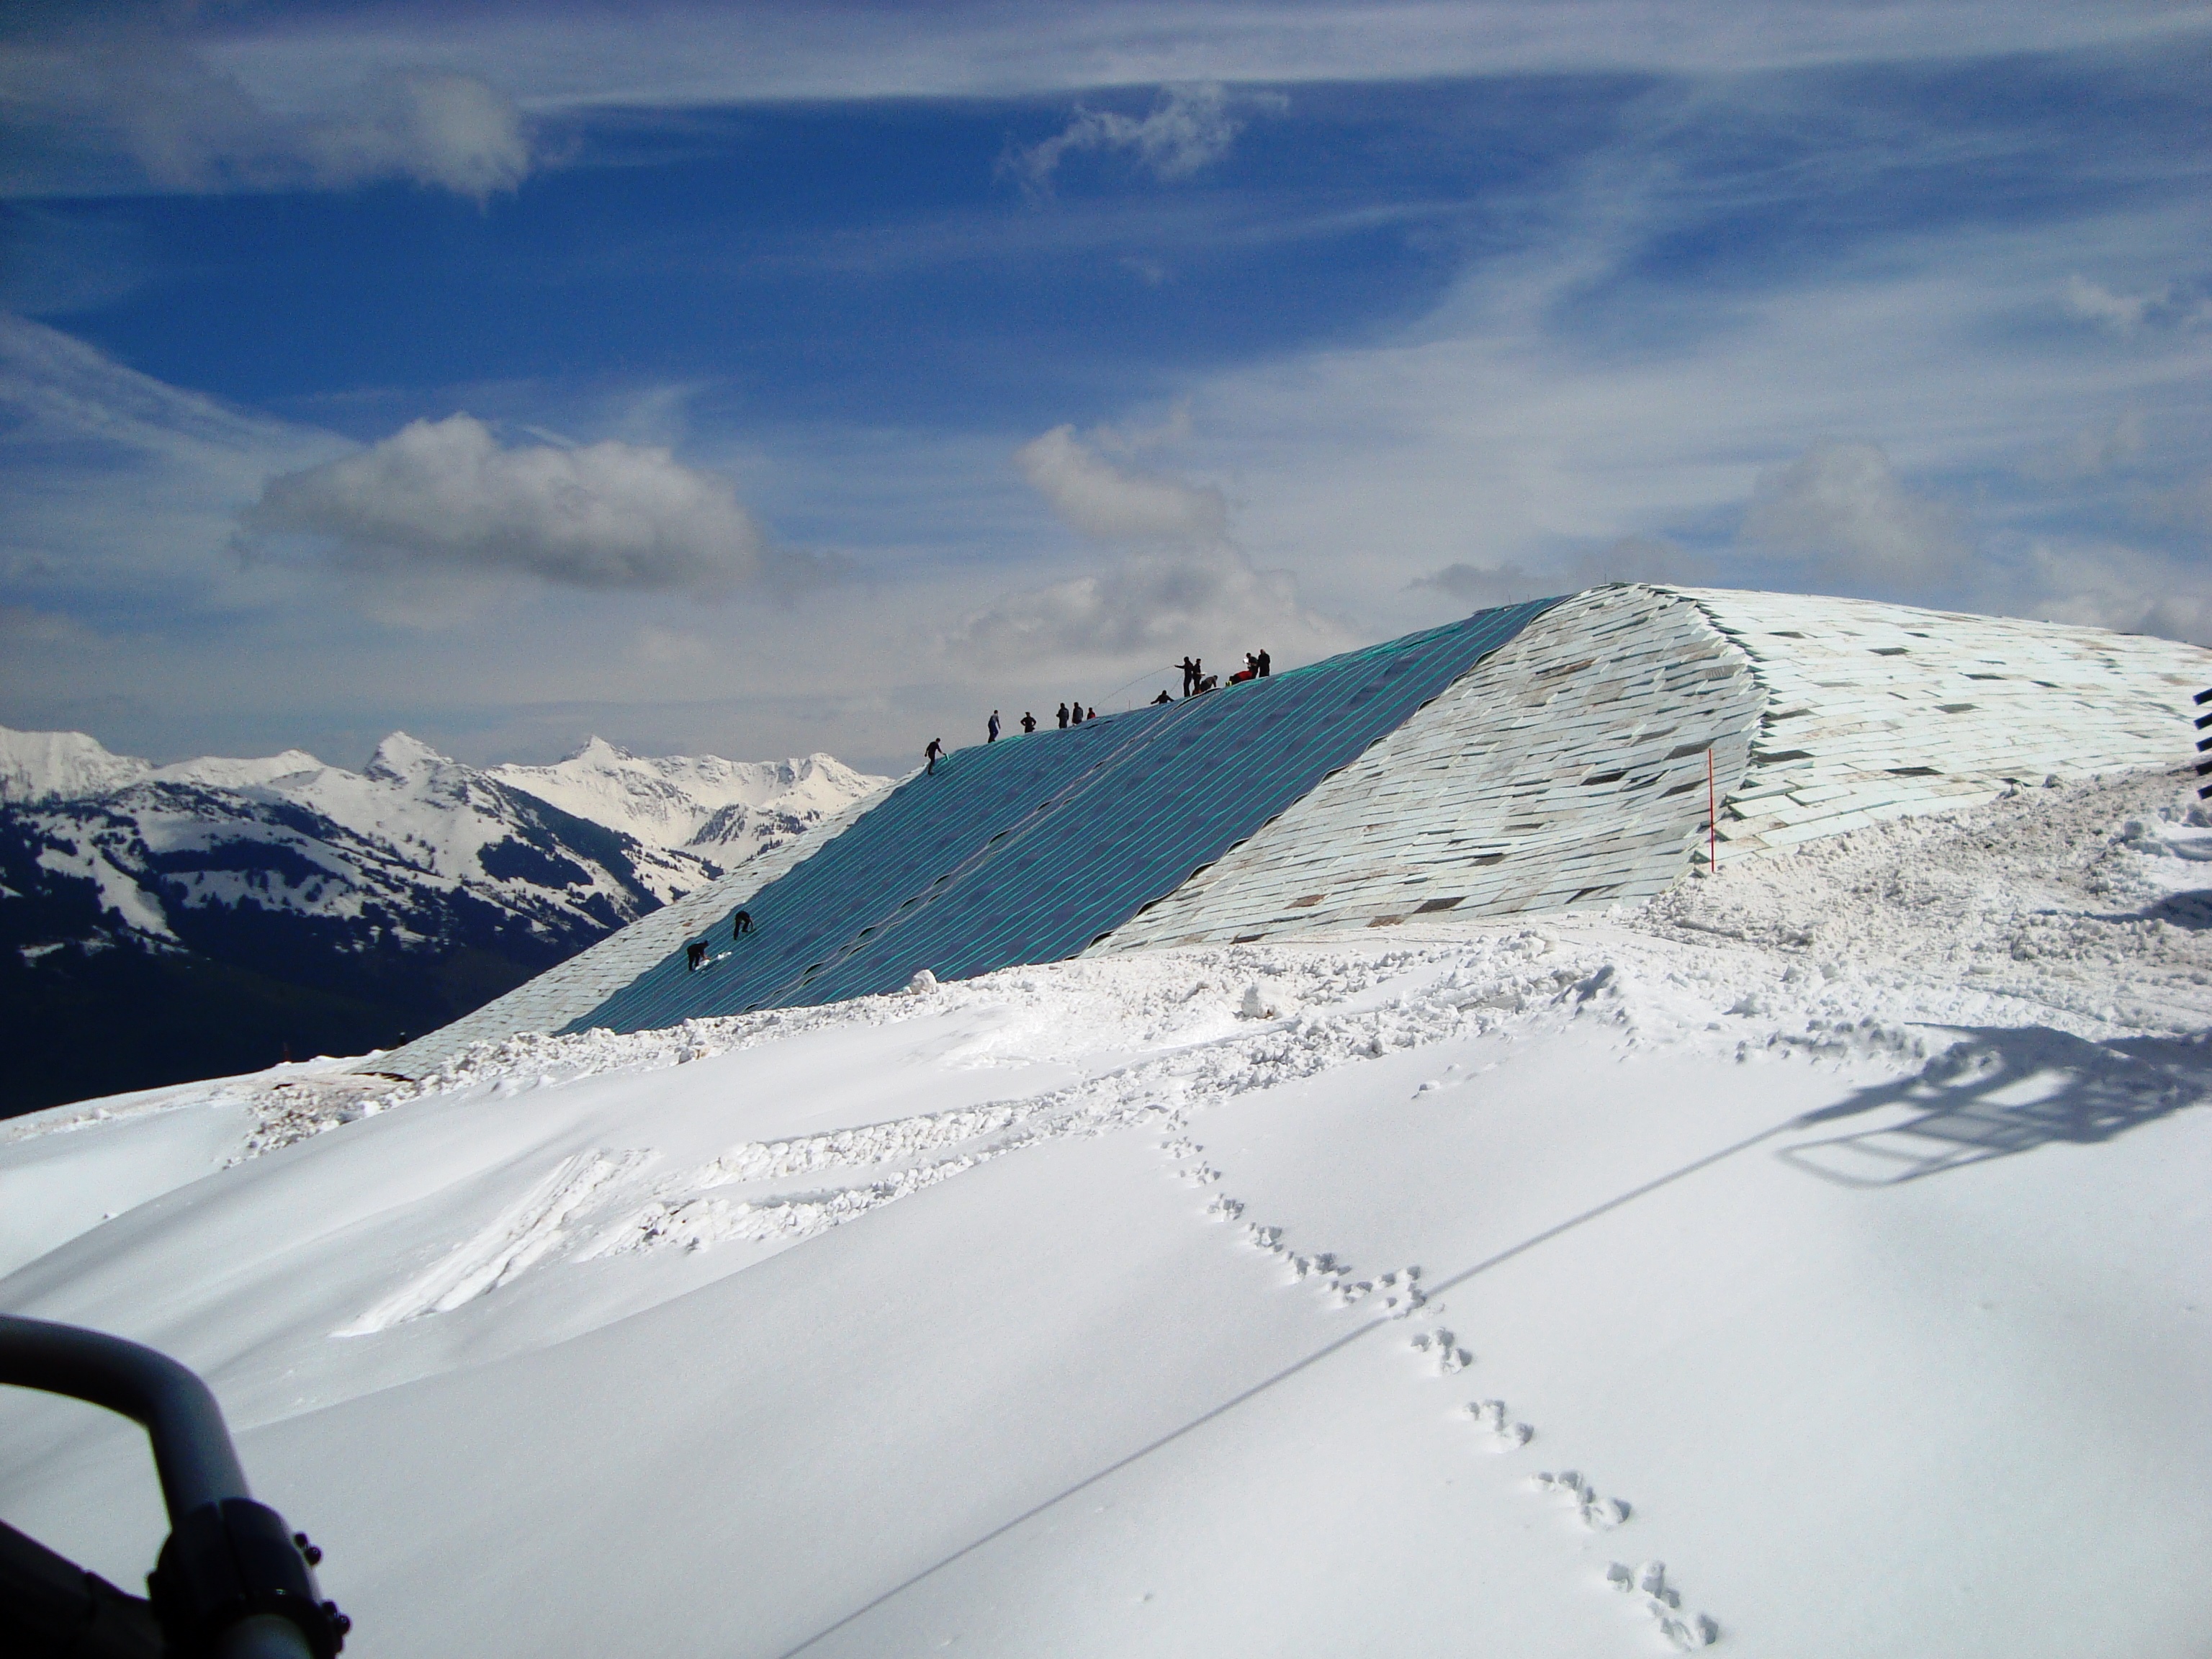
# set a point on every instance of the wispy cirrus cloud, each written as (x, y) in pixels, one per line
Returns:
(2174, 305)
(1187, 128)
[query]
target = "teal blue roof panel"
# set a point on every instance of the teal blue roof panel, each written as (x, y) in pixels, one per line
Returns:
(1031, 849)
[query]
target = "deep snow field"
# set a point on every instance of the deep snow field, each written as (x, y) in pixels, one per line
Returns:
(1817, 1261)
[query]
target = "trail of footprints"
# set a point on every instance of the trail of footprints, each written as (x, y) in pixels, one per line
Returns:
(1398, 1295)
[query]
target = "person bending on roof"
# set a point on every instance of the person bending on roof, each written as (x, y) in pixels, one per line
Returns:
(936, 747)
(741, 924)
(1163, 698)
(695, 956)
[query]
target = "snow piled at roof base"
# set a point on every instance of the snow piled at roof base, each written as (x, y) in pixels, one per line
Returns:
(1542, 757)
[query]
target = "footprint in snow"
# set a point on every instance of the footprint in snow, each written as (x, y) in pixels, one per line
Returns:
(1663, 1602)
(1450, 1357)
(1489, 1415)
(1599, 1514)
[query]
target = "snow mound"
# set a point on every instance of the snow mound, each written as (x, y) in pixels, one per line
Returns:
(1799, 1265)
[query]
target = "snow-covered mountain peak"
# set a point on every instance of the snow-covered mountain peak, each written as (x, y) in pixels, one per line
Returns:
(225, 772)
(707, 804)
(400, 757)
(61, 766)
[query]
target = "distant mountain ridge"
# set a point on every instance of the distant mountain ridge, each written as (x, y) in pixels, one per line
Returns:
(722, 811)
(162, 922)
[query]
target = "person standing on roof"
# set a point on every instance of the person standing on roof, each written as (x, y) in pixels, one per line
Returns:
(992, 734)
(1266, 664)
(1076, 719)
(1029, 722)
(936, 747)
(1162, 698)
(1063, 717)
(1190, 667)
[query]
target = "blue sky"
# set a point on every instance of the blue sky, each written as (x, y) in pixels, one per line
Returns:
(745, 379)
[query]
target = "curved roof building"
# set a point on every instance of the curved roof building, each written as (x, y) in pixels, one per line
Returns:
(1540, 756)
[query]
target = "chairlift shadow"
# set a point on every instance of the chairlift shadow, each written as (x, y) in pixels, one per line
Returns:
(2002, 1092)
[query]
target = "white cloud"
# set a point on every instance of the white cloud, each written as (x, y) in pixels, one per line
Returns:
(1630, 559)
(2109, 585)
(450, 131)
(2175, 306)
(77, 107)
(2186, 506)
(1113, 503)
(697, 53)
(1187, 127)
(1484, 586)
(1840, 508)
(2092, 451)
(443, 496)
(1154, 605)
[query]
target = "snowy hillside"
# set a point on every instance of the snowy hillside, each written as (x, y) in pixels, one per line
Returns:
(1814, 1262)
(723, 810)
(246, 905)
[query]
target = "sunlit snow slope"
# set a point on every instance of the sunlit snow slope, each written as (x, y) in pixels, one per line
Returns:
(1816, 1262)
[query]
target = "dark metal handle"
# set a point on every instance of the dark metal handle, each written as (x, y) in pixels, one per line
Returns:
(191, 1446)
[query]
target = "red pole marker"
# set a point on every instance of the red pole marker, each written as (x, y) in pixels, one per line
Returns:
(1712, 821)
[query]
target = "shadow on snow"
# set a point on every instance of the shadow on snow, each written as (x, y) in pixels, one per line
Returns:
(2002, 1092)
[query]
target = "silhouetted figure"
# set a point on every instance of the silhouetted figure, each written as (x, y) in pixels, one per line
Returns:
(1266, 664)
(1076, 719)
(992, 735)
(1029, 722)
(695, 956)
(1197, 676)
(936, 747)
(1091, 713)
(1190, 667)
(741, 924)
(1063, 717)
(1251, 667)
(1163, 698)
(1208, 682)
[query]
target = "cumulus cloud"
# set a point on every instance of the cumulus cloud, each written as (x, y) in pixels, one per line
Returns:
(1114, 503)
(1160, 604)
(1840, 509)
(1187, 127)
(144, 97)
(445, 496)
